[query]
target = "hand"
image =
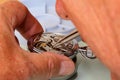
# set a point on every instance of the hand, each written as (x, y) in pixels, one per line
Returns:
(17, 64)
(98, 22)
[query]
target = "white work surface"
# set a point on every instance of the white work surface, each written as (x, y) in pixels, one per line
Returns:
(91, 70)
(88, 69)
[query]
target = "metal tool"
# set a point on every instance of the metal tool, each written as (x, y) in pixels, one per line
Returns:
(67, 38)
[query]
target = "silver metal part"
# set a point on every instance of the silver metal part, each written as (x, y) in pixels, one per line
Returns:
(86, 52)
(70, 48)
(46, 43)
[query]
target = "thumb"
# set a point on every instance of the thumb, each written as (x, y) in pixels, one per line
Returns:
(49, 65)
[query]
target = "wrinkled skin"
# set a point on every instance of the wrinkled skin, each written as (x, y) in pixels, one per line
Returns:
(17, 64)
(98, 22)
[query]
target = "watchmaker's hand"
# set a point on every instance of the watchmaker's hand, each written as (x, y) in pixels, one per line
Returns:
(98, 22)
(17, 64)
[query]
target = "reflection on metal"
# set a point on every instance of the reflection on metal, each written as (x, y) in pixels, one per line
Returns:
(46, 42)
(86, 52)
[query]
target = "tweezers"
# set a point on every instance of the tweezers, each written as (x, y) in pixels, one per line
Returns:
(72, 35)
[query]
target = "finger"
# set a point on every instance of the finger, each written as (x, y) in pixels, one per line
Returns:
(30, 26)
(50, 65)
(114, 77)
(18, 17)
(60, 10)
(17, 40)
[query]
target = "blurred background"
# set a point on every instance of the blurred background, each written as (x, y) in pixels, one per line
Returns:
(44, 11)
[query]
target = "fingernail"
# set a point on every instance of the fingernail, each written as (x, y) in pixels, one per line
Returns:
(67, 68)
